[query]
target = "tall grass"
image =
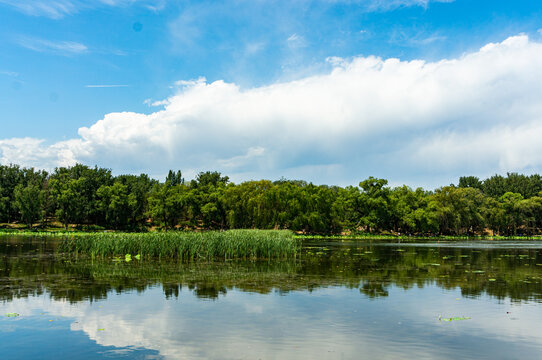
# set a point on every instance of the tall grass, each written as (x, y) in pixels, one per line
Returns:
(232, 244)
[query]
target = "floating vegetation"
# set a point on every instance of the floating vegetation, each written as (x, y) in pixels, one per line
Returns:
(12, 314)
(231, 244)
(457, 318)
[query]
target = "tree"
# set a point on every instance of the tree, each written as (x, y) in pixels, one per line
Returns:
(375, 203)
(411, 212)
(28, 200)
(207, 202)
(174, 178)
(10, 177)
(115, 203)
(71, 205)
(168, 204)
(88, 182)
(470, 182)
(515, 211)
(139, 188)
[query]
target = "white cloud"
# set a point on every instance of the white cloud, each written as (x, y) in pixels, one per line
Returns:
(54, 9)
(500, 148)
(423, 123)
(57, 9)
(175, 328)
(296, 41)
(59, 47)
(386, 5)
(33, 152)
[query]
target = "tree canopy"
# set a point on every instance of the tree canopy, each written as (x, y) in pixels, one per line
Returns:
(91, 196)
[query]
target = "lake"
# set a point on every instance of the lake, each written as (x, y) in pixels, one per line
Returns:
(350, 299)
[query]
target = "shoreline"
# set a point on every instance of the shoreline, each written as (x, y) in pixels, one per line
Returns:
(62, 232)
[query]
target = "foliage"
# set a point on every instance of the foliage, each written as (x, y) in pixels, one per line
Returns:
(28, 200)
(88, 197)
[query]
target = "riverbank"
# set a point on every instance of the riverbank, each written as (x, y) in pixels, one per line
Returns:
(416, 237)
(61, 232)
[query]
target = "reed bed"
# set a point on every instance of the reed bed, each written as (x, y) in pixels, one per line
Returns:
(231, 244)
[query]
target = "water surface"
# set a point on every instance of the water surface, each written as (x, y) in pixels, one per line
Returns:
(339, 300)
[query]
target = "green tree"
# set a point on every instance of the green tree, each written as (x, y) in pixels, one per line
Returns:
(207, 202)
(470, 182)
(28, 200)
(375, 203)
(10, 177)
(139, 187)
(167, 204)
(174, 178)
(71, 205)
(115, 201)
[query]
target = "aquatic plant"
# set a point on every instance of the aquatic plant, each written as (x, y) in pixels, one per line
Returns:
(231, 244)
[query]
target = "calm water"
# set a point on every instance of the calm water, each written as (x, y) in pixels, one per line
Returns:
(340, 300)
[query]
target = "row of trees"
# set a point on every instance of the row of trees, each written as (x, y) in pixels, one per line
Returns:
(82, 195)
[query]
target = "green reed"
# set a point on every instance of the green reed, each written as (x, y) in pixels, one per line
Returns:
(231, 244)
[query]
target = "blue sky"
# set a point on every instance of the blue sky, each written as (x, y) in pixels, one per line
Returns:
(115, 83)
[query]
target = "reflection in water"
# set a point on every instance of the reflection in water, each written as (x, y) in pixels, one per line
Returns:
(339, 300)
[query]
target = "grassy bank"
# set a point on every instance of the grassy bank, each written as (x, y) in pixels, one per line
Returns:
(416, 237)
(232, 244)
(60, 232)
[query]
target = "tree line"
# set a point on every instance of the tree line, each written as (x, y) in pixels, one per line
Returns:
(93, 198)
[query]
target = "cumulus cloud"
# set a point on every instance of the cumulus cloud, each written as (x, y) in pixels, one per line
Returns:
(416, 122)
(33, 152)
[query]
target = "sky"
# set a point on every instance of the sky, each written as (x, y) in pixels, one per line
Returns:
(418, 92)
